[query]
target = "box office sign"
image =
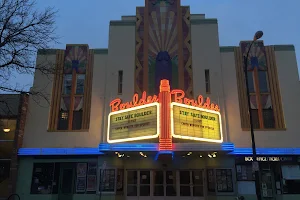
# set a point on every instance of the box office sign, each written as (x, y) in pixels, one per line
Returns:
(272, 159)
(135, 123)
(194, 123)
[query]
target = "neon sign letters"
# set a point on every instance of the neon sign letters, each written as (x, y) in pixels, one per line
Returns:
(177, 95)
(176, 116)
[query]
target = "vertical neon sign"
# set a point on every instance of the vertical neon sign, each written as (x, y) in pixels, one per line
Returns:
(165, 138)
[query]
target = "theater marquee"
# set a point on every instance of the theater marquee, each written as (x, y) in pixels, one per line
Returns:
(165, 116)
(194, 123)
(132, 124)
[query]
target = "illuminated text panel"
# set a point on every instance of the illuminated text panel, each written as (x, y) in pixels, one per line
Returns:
(134, 123)
(194, 123)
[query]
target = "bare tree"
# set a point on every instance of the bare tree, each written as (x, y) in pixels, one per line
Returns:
(23, 30)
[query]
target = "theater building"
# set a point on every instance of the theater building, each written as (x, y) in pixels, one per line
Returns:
(162, 114)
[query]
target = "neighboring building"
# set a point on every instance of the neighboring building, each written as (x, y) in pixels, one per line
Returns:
(147, 148)
(13, 108)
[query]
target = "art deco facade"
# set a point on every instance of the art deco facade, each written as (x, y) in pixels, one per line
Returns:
(149, 145)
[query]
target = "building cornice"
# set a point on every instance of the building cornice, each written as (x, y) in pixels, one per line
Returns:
(100, 51)
(47, 51)
(227, 49)
(122, 23)
(287, 47)
(204, 21)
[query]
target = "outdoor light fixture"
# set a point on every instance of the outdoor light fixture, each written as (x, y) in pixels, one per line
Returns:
(189, 153)
(258, 35)
(210, 156)
(200, 156)
(119, 155)
(6, 130)
(141, 153)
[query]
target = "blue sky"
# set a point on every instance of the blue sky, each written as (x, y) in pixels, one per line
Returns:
(87, 21)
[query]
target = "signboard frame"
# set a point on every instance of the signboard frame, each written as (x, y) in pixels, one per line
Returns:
(195, 138)
(135, 138)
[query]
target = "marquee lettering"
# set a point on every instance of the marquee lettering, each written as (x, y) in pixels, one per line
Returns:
(177, 95)
(118, 105)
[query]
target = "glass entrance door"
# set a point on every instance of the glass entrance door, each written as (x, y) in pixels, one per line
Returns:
(138, 184)
(165, 184)
(191, 184)
(66, 183)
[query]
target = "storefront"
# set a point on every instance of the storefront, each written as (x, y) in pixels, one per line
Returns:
(158, 147)
(145, 119)
(280, 175)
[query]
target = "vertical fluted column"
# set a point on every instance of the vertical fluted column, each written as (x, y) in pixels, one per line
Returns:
(165, 138)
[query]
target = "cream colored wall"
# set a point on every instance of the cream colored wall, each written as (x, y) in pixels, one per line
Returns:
(205, 55)
(36, 134)
(289, 86)
(121, 56)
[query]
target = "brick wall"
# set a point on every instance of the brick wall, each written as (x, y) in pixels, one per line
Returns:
(18, 141)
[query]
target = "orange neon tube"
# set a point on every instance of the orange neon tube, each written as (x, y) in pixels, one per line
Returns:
(165, 138)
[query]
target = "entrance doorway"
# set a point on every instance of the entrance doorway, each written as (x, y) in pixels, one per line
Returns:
(66, 182)
(165, 184)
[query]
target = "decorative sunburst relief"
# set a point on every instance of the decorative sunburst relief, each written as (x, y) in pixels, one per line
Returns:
(163, 32)
(257, 55)
(75, 58)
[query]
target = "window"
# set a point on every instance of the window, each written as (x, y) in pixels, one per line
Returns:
(132, 182)
(70, 115)
(67, 87)
(144, 183)
(80, 84)
(120, 82)
(63, 120)
(171, 183)
(71, 93)
(219, 180)
(207, 81)
(260, 98)
(164, 183)
(185, 183)
(245, 173)
(197, 183)
(107, 180)
(45, 178)
(291, 179)
(138, 183)
(191, 183)
(266, 106)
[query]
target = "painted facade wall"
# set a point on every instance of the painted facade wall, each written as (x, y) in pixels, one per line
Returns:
(288, 78)
(122, 54)
(163, 40)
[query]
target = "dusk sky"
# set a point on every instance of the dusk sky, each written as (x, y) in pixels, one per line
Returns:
(87, 21)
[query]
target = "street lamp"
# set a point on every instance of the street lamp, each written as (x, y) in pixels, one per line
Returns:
(255, 164)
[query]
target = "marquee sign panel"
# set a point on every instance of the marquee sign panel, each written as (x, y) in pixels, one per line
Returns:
(194, 123)
(137, 123)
